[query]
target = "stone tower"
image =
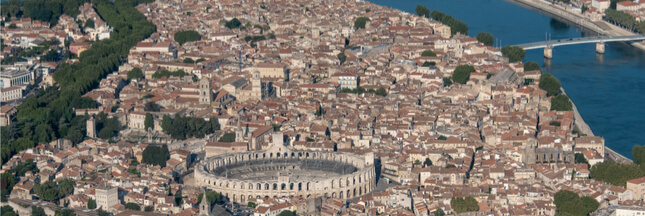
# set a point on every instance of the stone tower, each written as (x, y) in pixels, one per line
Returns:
(204, 206)
(91, 127)
(239, 133)
(205, 93)
(256, 83)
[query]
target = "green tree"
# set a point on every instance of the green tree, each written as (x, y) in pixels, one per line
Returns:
(287, 213)
(51, 56)
(187, 36)
(455, 25)
(360, 22)
(47, 191)
(427, 64)
(428, 53)
(7, 211)
(441, 137)
(615, 173)
(166, 123)
(561, 103)
(461, 205)
(135, 73)
(66, 187)
(89, 23)
(227, 137)
(151, 107)
(91, 204)
(155, 155)
(422, 11)
(233, 23)
(252, 205)
(189, 61)
(133, 206)
(37, 211)
(531, 66)
(486, 38)
(569, 203)
(439, 212)
(462, 73)
(341, 57)
(74, 136)
(427, 162)
(513, 53)
(580, 158)
(417, 162)
(447, 81)
(549, 84)
(149, 208)
(638, 153)
(149, 121)
(212, 197)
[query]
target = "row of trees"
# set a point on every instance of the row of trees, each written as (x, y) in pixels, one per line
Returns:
(625, 20)
(49, 114)
(423, 11)
(51, 191)
(360, 90)
(186, 127)
(187, 36)
(617, 173)
(569, 203)
(166, 73)
(43, 10)
(455, 25)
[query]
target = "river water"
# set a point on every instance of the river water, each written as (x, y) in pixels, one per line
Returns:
(607, 89)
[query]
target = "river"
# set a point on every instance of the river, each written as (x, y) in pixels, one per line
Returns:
(609, 89)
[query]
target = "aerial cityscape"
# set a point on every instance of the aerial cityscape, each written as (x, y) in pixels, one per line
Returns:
(323, 107)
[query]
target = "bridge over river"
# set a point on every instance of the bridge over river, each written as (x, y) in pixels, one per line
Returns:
(599, 40)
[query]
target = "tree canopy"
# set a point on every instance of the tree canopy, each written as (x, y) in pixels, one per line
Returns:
(227, 137)
(462, 73)
(166, 73)
(461, 205)
(187, 127)
(135, 73)
(569, 203)
(486, 38)
(423, 11)
(187, 36)
(233, 23)
(213, 197)
(513, 53)
(428, 53)
(287, 213)
(561, 103)
(360, 22)
(549, 84)
(638, 153)
(52, 107)
(455, 25)
(149, 121)
(342, 57)
(155, 155)
(531, 66)
(133, 206)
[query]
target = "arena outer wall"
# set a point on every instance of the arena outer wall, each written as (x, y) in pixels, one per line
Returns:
(347, 186)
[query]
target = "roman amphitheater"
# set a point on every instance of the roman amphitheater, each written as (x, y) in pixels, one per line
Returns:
(283, 172)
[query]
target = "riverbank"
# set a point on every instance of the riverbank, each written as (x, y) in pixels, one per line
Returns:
(559, 12)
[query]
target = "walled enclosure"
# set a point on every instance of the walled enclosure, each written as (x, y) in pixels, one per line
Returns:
(283, 172)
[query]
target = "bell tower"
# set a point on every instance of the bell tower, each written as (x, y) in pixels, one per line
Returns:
(205, 93)
(256, 83)
(91, 127)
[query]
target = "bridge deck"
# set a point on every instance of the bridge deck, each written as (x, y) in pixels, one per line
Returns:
(583, 40)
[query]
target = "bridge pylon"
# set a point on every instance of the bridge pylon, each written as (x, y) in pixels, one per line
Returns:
(600, 47)
(548, 52)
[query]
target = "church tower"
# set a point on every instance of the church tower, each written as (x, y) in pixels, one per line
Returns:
(256, 83)
(239, 133)
(204, 206)
(205, 93)
(91, 128)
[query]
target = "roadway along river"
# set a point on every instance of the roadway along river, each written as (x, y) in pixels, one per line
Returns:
(609, 89)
